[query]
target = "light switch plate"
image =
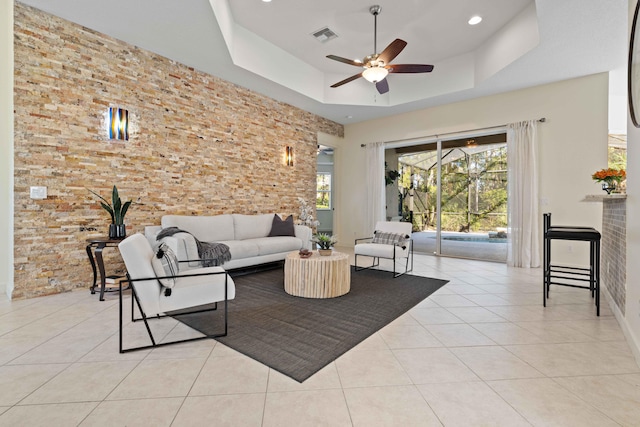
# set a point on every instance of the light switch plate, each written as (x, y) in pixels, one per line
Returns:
(38, 193)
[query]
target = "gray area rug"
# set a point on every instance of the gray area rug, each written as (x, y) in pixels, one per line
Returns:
(299, 336)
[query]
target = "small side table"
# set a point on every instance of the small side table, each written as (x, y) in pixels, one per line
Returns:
(317, 276)
(94, 252)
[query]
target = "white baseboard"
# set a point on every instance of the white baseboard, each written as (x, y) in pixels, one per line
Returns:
(4, 291)
(633, 344)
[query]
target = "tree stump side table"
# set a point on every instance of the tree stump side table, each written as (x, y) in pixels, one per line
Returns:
(317, 276)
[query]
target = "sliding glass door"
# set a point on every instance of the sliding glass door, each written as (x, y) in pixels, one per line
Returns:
(455, 194)
(473, 207)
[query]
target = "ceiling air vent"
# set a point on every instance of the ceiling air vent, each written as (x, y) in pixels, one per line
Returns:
(324, 35)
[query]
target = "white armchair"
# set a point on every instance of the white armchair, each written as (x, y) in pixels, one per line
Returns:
(391, 240)
(156, 294)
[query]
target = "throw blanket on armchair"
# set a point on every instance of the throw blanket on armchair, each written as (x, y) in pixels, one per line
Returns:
(211, 254)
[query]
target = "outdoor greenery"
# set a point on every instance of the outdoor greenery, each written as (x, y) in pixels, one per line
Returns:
(474, 192)
(323, 190)
(617, 158)
(390, 175)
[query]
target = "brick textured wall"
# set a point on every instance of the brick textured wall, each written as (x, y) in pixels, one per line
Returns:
(198, 145)
(613, 265)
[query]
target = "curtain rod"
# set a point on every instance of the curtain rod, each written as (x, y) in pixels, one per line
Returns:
(540, 120)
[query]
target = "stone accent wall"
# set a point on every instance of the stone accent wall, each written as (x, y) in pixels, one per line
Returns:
(613, 265)
(199, 145)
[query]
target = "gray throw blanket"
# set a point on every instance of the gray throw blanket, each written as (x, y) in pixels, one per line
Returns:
(211, 254)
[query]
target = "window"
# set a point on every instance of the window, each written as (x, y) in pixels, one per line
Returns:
(323, 191)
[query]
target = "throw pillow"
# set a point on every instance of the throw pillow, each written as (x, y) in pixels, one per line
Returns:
(281, 227)
(390, 238)
(165, 263)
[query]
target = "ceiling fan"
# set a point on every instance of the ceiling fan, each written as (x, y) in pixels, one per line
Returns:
(377, 66)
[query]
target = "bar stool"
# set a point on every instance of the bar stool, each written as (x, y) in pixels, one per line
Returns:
(559, 272)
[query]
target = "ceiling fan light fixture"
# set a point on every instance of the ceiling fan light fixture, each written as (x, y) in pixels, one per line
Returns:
(375, 74)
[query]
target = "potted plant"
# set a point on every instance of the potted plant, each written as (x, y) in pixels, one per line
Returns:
(117, 210)
(610, 178)
(324, 242)
(390, 175)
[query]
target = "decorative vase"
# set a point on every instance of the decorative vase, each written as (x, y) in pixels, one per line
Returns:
(117, 231)
(325, 252)
(610, 186)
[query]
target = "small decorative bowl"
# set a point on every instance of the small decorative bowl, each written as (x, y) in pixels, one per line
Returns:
(305, 253)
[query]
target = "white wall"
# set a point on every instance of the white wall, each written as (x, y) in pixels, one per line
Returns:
(6, 147)
(618, 101)
(573, 145)
(632, 305)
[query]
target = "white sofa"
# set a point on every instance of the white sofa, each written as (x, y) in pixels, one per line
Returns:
(246, 236)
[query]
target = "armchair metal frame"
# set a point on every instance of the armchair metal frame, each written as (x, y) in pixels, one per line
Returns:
(376, 259)
(134, 298)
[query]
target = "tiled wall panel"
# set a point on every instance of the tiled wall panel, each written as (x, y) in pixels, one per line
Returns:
(613, 266)
(199, 145)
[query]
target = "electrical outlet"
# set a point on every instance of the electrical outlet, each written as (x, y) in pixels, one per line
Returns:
(38, 193)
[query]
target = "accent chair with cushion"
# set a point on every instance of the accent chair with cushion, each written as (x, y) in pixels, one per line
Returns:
(391, 240)
(158, 286)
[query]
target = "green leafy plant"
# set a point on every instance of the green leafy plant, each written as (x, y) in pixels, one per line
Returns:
(116, 208)
(390, 175)
(324, 240)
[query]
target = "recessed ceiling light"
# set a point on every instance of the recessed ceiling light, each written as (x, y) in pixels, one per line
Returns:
(475, 20)
(266, 1)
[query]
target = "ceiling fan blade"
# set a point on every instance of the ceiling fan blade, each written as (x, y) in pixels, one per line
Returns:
(345, 60)
(409, 68)
(391, 51)
(347, 80)
(382, 86)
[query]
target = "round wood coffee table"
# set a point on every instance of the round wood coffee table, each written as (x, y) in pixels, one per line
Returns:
(317, 276)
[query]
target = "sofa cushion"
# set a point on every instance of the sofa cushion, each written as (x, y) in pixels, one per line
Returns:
(390, 238)
(204, 228)
(251, 226)
(278, 244)
(242, 248)
(280, 227)
(165, 263)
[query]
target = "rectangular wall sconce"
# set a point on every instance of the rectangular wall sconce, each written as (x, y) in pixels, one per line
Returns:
(118, 123)
(289, 156)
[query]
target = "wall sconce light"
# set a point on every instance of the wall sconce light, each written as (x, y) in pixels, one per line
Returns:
(289, 156)
(118, 123)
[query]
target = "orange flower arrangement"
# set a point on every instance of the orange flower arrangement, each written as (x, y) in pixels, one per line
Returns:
(610, 175)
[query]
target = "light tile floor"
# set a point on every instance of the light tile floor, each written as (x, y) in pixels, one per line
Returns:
(481, 351)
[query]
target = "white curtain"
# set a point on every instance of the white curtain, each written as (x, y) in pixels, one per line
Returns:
(523, 245)
(376, 210)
